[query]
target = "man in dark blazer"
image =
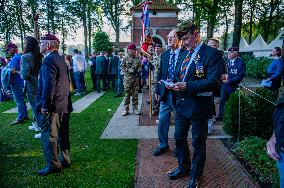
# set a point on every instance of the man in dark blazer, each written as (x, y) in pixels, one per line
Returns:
(101, 71)
(112, 70)
(93, 70)
(236, 73)
(52, 101)
(198, 76)
(168, 65)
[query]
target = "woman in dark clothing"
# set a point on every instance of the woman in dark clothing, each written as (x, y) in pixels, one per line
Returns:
(275, 70)
(30, 66)
(68, 60)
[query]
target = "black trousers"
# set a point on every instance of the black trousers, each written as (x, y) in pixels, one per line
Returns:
(94, 76)
(113, 80)
(199, 136)
(99, 78)
(54, 133)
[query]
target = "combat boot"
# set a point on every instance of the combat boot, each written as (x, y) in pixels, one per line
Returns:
(136, 112)
(125, 113)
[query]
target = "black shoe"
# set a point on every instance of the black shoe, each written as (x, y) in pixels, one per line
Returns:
(194, 182)
(48, 170)
(65, 164)
(98, 91)
(160, 151)
(16, 122)
(178, 173)
(219, 118)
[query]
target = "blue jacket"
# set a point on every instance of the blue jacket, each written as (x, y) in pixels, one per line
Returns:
(16, 63)
(162, 74)
(53, 84)
(279, 122)
(236, 73)
(6, 77)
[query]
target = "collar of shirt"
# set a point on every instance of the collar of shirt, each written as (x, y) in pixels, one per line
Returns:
(233, 60)
(198, 46)
(176, 51)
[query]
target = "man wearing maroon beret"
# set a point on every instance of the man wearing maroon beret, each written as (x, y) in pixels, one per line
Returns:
(131, 67)
(54, 103)
(17, 83)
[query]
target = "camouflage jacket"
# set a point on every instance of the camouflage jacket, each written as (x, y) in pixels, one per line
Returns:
(156, 65)
(131, 66)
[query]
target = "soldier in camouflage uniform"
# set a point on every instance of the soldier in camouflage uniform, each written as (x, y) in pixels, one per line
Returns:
(155, 67)
(131, 67)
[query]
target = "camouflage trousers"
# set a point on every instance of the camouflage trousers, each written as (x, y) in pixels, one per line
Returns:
(131, 88)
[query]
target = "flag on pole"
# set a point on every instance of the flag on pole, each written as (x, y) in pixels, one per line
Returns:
(145, 19)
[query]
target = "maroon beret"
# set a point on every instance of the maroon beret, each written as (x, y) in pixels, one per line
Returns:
(131, 47)
(50, 37)
(11, 45)
(233, 49)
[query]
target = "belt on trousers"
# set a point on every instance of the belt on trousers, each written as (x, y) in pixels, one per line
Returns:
(202, 94)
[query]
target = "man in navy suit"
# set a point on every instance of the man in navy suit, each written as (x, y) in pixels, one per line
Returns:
(112, 70)
(54, 103)
(236, 73)
(168, 65)
(101, 71)
(198, 76)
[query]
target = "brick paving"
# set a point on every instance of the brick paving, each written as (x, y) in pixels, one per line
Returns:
(221, 169)
(144, 119)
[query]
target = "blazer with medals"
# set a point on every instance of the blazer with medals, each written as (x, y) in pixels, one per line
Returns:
(162, 73)
(53, 84)
(202, 78)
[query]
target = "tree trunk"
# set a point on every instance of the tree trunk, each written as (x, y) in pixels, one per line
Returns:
(270, 18)
(52, 16)
(251, 22)
(89, 30)
(226, 32)
(20, 21)
(238, 23)
(48, 15)
(84, 19)
(210, 28)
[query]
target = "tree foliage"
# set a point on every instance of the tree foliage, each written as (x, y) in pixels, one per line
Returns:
(101, 42)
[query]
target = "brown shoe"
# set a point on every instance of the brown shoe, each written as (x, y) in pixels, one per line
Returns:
(154, 113)
(125, 113)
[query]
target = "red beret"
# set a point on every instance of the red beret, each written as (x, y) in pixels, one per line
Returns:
(11, 45)
(233, 49)
(131, 47)
(50, 37)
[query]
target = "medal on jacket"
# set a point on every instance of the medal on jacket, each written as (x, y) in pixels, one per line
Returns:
(199, 69)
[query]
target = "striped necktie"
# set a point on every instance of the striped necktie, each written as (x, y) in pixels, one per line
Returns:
(184, 65)
(171, 66)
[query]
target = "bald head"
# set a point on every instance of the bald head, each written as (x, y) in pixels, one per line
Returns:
(174, 41)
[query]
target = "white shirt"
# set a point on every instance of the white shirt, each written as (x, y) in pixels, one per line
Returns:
(79, 63)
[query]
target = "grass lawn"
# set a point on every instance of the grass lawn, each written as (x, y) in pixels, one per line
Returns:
(95, 162)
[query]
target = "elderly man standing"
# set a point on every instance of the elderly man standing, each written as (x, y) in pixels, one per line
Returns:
(54, 103)
(170, 60)
(236, 73)
(198, 76)
(79, 67)
(17, 84)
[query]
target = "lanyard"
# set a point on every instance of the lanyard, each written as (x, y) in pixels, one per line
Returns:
(191, 59)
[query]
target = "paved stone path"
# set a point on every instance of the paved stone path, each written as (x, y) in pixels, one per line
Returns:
(221, 168)
(127, 127)
(78, 106)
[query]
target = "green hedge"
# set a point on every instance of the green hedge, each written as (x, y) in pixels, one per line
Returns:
(256, 66)
(231, 116)
(256, 114)
(252, 150)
